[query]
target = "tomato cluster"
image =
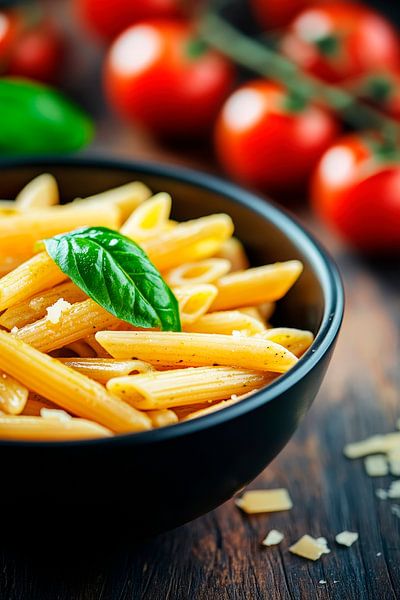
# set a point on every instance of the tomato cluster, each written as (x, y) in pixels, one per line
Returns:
(159, 74)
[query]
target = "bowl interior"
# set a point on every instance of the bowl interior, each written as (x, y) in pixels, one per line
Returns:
(267, 233)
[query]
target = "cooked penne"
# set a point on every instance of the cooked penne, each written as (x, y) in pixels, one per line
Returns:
(40, 192)
(99, 350)
(21, 231)
(254, 286)
(194, 301)
(35, 275)
(103, 369)
(67, 388)
(233, 251)
(197, 350)
(203, 271)
(170, 248)
(149, 218)
(34, 405)
(81, 349)
(125, 197)
(75, 322)
(9, 263)
(35, 307)
(13, 395)
(39, 429)
(166, 389)
(226, 323)
(162, 417)
(295, 340)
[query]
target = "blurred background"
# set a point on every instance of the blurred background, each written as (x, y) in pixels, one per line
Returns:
(298, 99)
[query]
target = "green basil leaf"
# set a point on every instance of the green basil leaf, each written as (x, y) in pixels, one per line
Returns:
(117, 274)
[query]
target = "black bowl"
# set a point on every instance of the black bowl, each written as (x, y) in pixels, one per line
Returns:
(163, 478)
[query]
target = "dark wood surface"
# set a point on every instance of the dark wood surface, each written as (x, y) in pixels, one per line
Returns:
(218, 556)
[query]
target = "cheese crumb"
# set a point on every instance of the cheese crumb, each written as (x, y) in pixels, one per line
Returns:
(273, 538)
(14, 330)
(322, 581)
(261, 501)
(346, 538)
(395, 508)
(379, 553)
(236, 333)
(55, 413)
(394, 489)
(373, 445)
(309, 547)
(376, 465)
(55, 311)
(394, 461)
(381, 494)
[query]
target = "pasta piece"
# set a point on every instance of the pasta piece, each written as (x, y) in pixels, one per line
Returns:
(257, 285)
(226, 323)
(9, 263)
(197, 350)
(266, 310)
(204, 271)
(81, 349)
(295, 340)
(34, 405)
(253, 311)
(233, 251)
(41, 192)
(194, 301)
(39, 429)
(125, 197)
(76, 322)
(35, 275)
(170, 248)
(162, 417)
(98, 350)
(13, 395)
(35, 307)
(22, 231)
(103, 369)
(7, 208)
(148, 218)
(166, 389)
(67, 388)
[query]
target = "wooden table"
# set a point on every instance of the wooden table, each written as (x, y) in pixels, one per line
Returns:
(218, 556)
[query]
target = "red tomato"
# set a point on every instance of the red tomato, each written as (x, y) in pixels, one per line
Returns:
(355, 189)
(10, 26)
(276, 14)
(265, 140)
(158, 74)
(108, 18)
(341, 40)
(37, 54)
(382, 89)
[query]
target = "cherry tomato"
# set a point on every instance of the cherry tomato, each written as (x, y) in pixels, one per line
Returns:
(355, 189)
(341, 40)
(37, 54)
(108, 18)
(382, 89)
(267, 138)
(276, 14)
(157, 73)
(10, 25)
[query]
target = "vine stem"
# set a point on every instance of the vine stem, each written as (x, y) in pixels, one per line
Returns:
(230, 41)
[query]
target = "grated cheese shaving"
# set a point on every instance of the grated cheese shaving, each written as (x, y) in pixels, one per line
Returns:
(381, 494)
(55, 413)
(55, 311)
(273, 538)
(261, 501)
(377, 444)
(395, 508)
(322, 581)
(394, 490)
(14, 330)
(309, 547)
(346, 538)
(376, 465)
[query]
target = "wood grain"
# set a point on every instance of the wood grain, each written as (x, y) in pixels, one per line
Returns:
(219, 556)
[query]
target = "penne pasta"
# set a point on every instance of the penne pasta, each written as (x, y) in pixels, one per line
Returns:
(35, 307)
(67, 388)
(149, 218)
(35, 275)
(99, 350)
(162, 417)
(226, 323)
(13, 395)
(295, 340)
(181, 387)
(9, 263)
(22, 231)
(103, 369)
(255, 286)
(81, 349)
(125, 197)
(203, 271)
(201, 236)
(39, 429)
(40, 192)
(194, 301)
(34, 405)
(233, 251)
(75, 322)
(160, 348)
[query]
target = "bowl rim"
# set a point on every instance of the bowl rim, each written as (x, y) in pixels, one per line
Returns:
(320, 260)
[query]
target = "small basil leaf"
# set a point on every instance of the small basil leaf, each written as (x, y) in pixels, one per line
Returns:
(117, 274)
